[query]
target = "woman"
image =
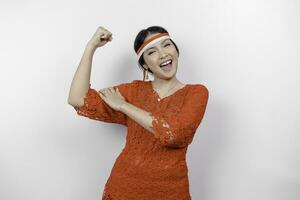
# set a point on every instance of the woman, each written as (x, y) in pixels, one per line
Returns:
(161, 116)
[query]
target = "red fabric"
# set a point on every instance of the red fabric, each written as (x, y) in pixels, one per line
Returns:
(96, 108)
(151, 166)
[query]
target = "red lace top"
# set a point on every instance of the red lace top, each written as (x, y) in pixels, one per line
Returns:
(151, 166)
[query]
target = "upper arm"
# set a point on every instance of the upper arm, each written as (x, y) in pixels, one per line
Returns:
(96, 108)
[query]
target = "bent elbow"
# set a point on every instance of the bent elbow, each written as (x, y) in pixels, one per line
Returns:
(75, 102)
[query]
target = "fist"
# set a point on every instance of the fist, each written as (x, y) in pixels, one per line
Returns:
(100, 37)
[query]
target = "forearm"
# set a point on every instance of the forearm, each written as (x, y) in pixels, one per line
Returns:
(139, 115)
(81, 79)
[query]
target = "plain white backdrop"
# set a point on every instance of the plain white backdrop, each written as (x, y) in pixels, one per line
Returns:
(246, 52)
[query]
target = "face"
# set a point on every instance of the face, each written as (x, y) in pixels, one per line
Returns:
(156, 57)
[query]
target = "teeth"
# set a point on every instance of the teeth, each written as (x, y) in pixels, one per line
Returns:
(166, 63)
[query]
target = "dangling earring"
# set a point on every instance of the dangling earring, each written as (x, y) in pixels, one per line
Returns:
(145, 73)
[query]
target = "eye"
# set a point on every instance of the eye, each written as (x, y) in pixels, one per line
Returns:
(151, 52)
(168, 44)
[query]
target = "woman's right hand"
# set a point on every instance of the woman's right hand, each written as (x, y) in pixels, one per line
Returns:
(100, 37)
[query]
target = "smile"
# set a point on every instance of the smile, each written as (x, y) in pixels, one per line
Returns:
(166, 63)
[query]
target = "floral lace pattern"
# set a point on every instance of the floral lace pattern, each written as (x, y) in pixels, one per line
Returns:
(96, 108)
(105, 195)
(177, 129)
(152, 165)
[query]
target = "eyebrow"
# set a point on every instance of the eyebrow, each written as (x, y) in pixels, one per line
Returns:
(165, 40)
(161, 43)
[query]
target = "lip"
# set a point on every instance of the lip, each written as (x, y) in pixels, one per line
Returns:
(169, 70)
(166, 61)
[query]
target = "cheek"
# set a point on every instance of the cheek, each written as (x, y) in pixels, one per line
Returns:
(153, 60)
(174, 52)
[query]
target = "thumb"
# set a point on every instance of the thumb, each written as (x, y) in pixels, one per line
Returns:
(118, 91)
(101, 95)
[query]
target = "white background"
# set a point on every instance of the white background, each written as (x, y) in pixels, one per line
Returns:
(246, 52)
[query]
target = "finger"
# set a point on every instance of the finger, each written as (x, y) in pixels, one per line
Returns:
(107, 91)
(118, 91)
(101, 95)
(111, 89)
(107, 35)
(104, 92)
(103, 36)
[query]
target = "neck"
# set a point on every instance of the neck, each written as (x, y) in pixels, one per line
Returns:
(162, 84)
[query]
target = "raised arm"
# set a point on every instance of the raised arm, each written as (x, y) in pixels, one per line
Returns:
(81, 80)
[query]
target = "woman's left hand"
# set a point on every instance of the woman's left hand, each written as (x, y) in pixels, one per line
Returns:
(112, 97)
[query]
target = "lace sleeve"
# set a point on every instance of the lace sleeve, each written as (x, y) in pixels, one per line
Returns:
(96, 108)
(178, 131)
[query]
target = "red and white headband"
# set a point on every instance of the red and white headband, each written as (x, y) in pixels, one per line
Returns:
(151, 42)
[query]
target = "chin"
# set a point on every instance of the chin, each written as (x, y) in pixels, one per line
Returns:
(169, 74)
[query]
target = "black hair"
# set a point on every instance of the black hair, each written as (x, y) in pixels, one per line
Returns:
(139, 40)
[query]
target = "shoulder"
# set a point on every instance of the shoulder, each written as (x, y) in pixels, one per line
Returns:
(136, 84)
(128, 85)
(198, 92)
(136, 81)
(127, 88)
(199, 88)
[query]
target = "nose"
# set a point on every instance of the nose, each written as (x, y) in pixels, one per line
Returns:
(162, 54)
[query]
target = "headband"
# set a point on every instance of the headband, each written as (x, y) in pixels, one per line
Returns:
(151, 42)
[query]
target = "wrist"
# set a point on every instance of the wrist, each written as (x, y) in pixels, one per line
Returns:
(91, 46)
(123, 106)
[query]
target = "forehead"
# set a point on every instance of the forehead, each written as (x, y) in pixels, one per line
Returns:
(159, 43)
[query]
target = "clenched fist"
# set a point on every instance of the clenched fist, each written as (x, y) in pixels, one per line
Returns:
(100, 37)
